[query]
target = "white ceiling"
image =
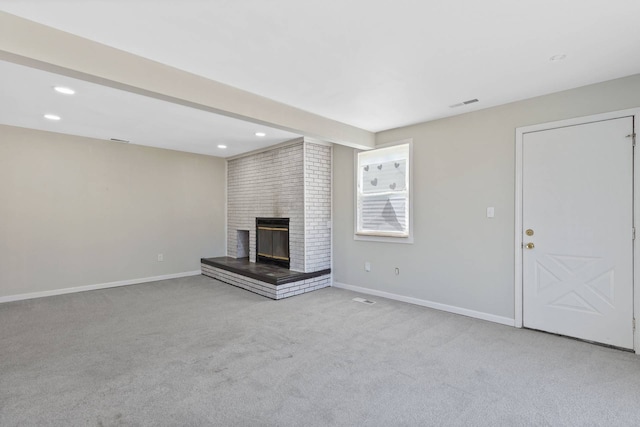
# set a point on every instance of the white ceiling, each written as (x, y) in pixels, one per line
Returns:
(372, 64)
(101, 112)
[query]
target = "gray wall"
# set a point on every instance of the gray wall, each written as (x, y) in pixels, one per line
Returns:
(77, 211)
(462, 165)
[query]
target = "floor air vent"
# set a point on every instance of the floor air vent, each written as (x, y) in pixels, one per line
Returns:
(364, 301)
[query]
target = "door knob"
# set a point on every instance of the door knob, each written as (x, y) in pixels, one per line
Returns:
(529, 232)
(530, 245)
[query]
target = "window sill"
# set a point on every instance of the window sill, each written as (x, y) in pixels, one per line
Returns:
(383, 238)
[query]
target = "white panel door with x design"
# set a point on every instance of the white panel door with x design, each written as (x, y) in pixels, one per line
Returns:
(577, 217)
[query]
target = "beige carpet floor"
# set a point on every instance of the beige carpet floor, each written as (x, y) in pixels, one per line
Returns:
(195, 352)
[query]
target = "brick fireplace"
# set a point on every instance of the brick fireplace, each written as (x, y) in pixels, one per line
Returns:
(291, 181)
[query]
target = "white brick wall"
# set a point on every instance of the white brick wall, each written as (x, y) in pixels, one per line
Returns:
(282, 183)
(317, 179)
(267, 289)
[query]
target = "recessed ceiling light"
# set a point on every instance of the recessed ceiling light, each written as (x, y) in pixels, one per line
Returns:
(261, 134)
(51, 117)
(64, 90)
(560, 57)
(222, 146)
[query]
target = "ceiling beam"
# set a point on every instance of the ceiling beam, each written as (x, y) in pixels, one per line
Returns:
(35, 45)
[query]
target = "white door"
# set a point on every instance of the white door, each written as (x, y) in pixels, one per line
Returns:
(577, 217)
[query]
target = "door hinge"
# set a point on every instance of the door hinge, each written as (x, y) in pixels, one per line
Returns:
(633, 138)
(633, 233)
(634, 324)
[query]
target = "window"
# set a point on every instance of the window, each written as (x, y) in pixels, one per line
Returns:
(383, 205)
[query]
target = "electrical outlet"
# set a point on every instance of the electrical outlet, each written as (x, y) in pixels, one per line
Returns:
(367, 266)
(160, 257)
(397, 271)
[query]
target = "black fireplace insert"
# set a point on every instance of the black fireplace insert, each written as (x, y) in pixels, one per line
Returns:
(272, 241)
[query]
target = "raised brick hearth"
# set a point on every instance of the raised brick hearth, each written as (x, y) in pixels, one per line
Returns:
(267, 280)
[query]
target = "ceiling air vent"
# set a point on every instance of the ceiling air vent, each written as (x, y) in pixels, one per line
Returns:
(460, 104)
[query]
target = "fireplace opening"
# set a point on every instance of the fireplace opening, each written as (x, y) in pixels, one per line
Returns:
(272, 241)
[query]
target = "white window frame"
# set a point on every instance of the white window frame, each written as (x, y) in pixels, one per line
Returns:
(379, 236)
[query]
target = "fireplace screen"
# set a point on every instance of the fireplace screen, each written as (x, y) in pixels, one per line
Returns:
(272, 241)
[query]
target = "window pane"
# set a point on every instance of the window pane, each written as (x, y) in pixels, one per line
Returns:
(384, 213)
(384, 177)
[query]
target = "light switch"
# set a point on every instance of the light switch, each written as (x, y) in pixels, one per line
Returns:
(490, 212)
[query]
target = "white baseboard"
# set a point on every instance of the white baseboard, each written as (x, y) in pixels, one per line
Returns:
(443, 307)
(63, 291)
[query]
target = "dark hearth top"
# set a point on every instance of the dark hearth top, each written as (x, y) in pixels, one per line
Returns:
(263, 272)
